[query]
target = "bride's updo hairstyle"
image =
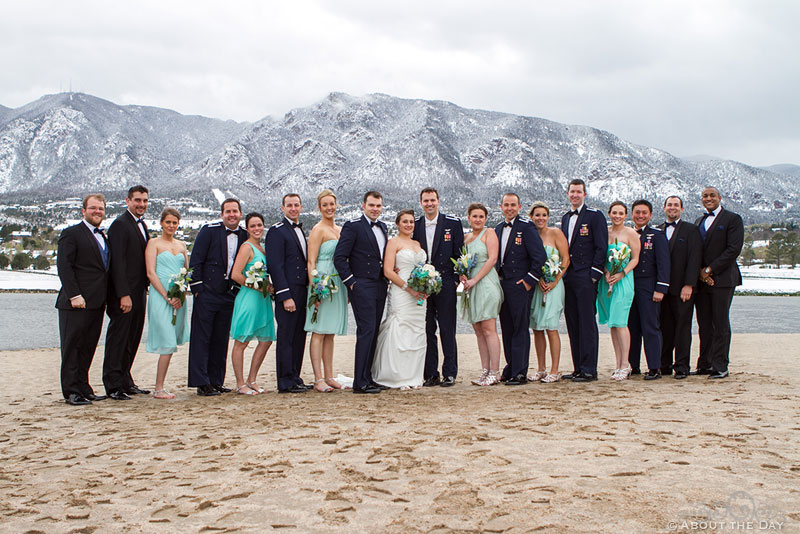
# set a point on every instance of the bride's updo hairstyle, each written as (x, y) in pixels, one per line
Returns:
(170, 211)
(326, 193)
(403, 212)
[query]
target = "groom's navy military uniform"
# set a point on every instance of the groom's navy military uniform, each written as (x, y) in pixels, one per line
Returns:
(447, 242)
(288, 269)
(651, 274)
(213, 292)
(359, 261)
(587, 257)
(522, 259)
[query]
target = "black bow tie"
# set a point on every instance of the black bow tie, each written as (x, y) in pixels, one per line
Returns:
(507, 224)
(574, 212)
(639, 231)
(673, 224)
(228, 231)
(708, 214)
(140, 220)
(99, 231)
(297, 225)
(374, 224)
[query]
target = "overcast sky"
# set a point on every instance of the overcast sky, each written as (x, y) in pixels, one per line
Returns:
(687, 76)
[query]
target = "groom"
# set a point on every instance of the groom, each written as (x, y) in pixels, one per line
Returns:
(442, 237)
(358, 259)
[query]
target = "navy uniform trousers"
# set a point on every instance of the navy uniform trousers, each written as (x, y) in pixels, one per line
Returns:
(211, 327)
(515, 314)
(367, 298)
(644, 323)
(580, 314)
(441, 307)
(290, 339)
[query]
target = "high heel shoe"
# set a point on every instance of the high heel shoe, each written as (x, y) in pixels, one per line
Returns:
(481, 379)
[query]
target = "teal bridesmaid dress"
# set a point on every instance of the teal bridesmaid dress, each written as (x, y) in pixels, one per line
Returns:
(614, 310)
(332, 314)
(545, 317)
(162, 336)
(486, 297)
(252, 311)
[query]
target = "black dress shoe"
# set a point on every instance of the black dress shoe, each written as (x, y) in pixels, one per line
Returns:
(77, 400)
(701, 372)
(136, 390)
(297, 388)
(119, 395)
(448, 381)
(94, 397)
(221, 389)
(379, 386)
(432, 381)
(719, 374)
(571, 375)
(583, 377)
(207, 391)
(652, 374)
(367, 389)
(518, 380)
(680, 375)
(636, 371)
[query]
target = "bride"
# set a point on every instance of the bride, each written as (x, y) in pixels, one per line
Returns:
(400, 351)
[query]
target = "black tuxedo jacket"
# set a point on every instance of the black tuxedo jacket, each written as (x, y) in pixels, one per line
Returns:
(524, 254)
(447, 242)
(286, 262)
(128, 271)
(80, 268)
(209, 259)
(685, 253)
(357, 253)
(587, 250)
(722, 245)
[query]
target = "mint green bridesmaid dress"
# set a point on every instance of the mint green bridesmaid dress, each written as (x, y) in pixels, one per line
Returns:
(546, 317)
(486, 297)
(162, 336)
(614, 310)
(332, 314)
(252, 311)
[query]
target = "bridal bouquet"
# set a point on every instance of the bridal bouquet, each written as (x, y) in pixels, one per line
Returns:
(322, 287)
(462, 267)
(178, 284)
(425, 279)
(617, 260)
(550, 269)
(256, 278)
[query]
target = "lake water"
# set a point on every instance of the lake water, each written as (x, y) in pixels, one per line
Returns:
(29, 320)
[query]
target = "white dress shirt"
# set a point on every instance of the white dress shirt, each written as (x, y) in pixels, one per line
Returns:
(573, 220)
(139, 225)
(97, 236)
(710, 219)
(671, 229)
(430, 232)
(376, 229)
(302, 238)
(504, 239)
(233, 240)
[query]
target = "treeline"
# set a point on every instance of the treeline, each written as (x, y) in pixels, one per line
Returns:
(783, 248)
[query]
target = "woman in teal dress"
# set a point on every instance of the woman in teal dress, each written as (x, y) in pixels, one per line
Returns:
(548, 297)
(615, 291)
(252, 310)
(332, 312)
(164, 257)
(485, 296)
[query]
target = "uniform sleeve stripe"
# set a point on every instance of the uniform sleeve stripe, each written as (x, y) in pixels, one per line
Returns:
(195, 283)
(281, 291)
(596, 269)
(348, 278)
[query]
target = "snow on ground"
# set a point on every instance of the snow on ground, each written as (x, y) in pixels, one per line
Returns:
(769, 271)
(29, 280)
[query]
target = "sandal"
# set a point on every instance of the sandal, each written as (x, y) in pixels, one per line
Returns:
(492, 378)
(250, 391)
(255, 387)
(326, 389)
(480, 381)
(537, 377)
(333, 383)
(163, 394)
(549, 379)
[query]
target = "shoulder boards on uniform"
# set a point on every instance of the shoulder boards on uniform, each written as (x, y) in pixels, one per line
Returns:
(354, 220)
(214, 224)
(277, 224)
(657, 229)
(524, 219)
(452, 218)
(592, 209)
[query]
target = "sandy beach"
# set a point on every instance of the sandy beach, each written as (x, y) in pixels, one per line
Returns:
(600, 457)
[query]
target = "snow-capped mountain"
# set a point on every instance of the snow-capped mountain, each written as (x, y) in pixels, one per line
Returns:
(71, 143)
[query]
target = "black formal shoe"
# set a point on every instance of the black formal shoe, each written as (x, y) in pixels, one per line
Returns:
(571, 375)
(379, 386)
(136, 390)
(94, 397)
(680, 375)
(583, 377)
(221, 389)
(207, 391)
(297, 388)
(448, 381)
(432, 381)
(307, 386)
(119, 395)
(367, 389)
(652, 374)
(701, 372)
(518, 380)
(77, 400)
(719, 374)
(635, 371)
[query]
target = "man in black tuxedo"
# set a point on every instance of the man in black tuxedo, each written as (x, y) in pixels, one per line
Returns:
(722, 232)
(587, 234)
(685, 250)
(358, 259)
(286, 249)
(442, 237)
(127, 295)
(83, 260)
(212, 258)
(519, 266)
(650, 283)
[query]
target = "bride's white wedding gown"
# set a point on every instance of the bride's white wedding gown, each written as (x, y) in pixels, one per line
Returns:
(400, 350)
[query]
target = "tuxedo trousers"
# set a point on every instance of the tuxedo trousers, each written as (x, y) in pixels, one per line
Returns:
(676, 333)
(580, 314)
(367, 298)
(122, 342)
(713, 323)
(208, 346)
(515, 318)
(79, 330)
(644, 325)
(441, 309)
(290, 344)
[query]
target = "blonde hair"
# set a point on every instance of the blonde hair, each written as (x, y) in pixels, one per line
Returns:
(326, 193)
(539, 204)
